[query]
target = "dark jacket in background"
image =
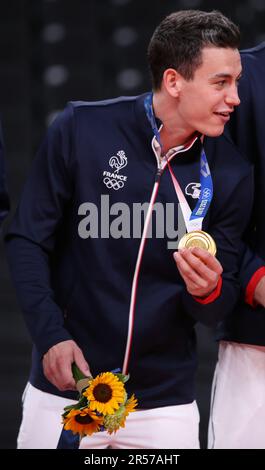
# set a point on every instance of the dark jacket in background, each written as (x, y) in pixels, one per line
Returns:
(247, 129)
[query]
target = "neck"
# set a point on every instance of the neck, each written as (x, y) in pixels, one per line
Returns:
(173, 132)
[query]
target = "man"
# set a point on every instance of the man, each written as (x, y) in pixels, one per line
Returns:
(238, 399)
(4, 200)
(93, 292)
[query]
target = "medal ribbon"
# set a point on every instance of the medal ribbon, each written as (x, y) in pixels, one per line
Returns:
(193, 219)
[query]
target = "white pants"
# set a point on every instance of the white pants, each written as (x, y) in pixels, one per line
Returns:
(170, 427)
(237, 419)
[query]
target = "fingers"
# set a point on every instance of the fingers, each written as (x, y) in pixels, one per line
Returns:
(188, 272)
(206, 257)
(57, 365)
(81, 362)
(199, 269)
(192, 288)
(259, 293)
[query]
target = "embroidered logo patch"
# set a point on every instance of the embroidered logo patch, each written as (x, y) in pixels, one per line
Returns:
(113, 180)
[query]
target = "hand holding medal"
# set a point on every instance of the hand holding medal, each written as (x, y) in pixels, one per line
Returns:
(201, 276)
(195, 259)
(199, 269)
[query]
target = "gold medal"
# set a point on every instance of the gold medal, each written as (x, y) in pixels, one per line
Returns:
(198, 238)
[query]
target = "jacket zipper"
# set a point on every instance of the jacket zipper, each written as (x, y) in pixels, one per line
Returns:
(161, 165)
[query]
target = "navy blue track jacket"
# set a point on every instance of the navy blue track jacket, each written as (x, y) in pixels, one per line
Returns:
(73, 287)
(4, 200)
(247, 129)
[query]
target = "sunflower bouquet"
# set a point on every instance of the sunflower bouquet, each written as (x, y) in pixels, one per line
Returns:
(103, 404)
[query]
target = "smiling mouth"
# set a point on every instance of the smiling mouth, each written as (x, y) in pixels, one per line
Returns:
(224, 114)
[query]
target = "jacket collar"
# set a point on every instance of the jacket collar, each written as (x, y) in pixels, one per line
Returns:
(146, 129)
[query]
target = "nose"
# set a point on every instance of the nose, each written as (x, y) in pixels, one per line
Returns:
(232, 98)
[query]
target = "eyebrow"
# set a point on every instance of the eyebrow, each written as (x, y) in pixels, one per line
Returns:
(225, 75)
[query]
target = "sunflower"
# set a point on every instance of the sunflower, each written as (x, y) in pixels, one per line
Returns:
(113, 422)
(105, 393)
(130, 406)
(82, 421)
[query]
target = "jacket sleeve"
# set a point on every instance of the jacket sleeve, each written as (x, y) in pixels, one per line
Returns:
(226, 228)
(4, 200)
(252, 269)
(31, 237)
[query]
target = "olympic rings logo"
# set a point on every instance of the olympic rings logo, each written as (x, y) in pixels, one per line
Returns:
(112, 183)
(207, 193)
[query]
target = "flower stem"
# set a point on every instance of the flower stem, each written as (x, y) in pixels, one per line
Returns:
(77, 374)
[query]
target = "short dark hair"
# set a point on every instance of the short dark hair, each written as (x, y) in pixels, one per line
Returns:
(179, 39)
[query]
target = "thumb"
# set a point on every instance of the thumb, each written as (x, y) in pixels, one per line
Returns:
(81, 362)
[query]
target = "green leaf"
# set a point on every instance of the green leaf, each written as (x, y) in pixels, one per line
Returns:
(123, 378)
(77, 374)
(83, 402)
(69, 407)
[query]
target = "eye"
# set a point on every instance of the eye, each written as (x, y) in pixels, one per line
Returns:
(221, 83)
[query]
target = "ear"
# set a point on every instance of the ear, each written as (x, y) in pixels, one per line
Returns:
(172, 81)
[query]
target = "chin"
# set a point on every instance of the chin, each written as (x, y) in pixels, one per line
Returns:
(214, 132)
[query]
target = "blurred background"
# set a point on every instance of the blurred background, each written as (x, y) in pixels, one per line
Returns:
(53, 51)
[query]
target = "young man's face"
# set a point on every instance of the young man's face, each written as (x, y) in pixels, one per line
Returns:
(206, 102)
